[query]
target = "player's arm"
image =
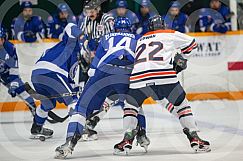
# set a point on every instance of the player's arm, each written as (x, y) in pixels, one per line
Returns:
(99, 54)
(186, 44)
(73, 31)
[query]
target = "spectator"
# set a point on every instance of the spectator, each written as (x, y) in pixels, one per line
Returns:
(123, 11)
(26, 27)
(175, 19)
(215, 19)
(143, 15)
(59, 21)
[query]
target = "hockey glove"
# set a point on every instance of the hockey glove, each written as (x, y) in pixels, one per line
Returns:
(12, 88)
(179, 63)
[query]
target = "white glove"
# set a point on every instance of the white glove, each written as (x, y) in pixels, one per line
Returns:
(91, 72)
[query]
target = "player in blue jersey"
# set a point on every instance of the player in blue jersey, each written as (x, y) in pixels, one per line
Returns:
(123, 11)
(175, 19)
(53, 75)
(58, 22)
(9, 71)
(215, 19)
(26, 27)
(143, 15)
(110, 71)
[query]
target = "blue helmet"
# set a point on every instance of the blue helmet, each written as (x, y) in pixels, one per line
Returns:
(121, 4)
(26, 4)
(2, 33)
(122, 24)
(63, 7)
(175, 4)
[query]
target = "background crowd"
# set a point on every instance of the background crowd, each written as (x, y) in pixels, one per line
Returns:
(184, 17)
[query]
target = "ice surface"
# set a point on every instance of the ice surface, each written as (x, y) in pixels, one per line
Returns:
(219, 121)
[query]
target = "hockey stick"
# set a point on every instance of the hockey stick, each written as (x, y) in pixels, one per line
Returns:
(54, 118)
(34, 94)
(40, 97)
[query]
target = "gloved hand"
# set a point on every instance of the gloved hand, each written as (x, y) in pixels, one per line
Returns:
(12, 88)
(179, 63)
(29, 34)
(91, 72)
(93, 44)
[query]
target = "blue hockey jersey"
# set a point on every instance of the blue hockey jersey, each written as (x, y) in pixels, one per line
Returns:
(56, 26)
(115, 47)
(28, 30)
(177, 23)
(63, 57)
(215, 20)
(8, 62)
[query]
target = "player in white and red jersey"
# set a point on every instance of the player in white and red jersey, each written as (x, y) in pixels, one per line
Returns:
(155, 75)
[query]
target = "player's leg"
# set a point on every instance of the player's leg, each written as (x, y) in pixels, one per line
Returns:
(135, 99)
(177, 96)
(93, 95)
(24, 95)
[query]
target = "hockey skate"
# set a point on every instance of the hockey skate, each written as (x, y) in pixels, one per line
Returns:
(63, 151)
(41, 133)
(89, 135)
(197, 144)
(143, 140)
(125, 146)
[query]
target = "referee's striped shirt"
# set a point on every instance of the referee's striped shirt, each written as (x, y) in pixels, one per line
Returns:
(96, 29)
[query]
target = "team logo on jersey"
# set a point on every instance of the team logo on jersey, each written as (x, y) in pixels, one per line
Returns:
(2, 66)
(100, 28)
(6, 57)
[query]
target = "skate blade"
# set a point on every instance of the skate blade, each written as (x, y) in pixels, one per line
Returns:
(118, 152)
(89, 138)
(62, 155)
(205, 149)
(39, 137)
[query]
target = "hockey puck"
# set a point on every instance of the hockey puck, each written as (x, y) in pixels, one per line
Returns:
(42, 138)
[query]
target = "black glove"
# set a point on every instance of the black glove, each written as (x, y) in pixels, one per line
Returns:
(179, 63)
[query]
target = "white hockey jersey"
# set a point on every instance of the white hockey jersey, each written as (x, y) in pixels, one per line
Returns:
(154, 57)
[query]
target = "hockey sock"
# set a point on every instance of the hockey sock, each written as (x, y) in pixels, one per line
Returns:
(130, 120)
(40, 116)
(141, 119)
(76, 125)
(186, 117)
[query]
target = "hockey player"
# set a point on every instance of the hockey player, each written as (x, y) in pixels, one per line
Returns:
(216, 19)
(159, 81)
(58, 22)
(26, 27)
(143, 15)
(53, 75)
(9, 71)
(110, 71)
(123, 11)
(175, 19)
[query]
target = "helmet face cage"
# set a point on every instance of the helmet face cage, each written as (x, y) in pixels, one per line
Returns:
(156, 23)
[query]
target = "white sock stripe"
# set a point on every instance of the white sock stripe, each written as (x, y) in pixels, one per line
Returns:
(41, 113)
(24, 95)
(78, 118)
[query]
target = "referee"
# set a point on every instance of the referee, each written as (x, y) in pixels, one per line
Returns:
(94, 25)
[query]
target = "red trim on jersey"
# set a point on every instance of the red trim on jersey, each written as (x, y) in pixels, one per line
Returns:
(170, 107)
(151, 74)
(190, 48)
(159, 32)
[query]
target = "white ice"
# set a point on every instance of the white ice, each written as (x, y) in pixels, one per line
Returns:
(220, 122)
